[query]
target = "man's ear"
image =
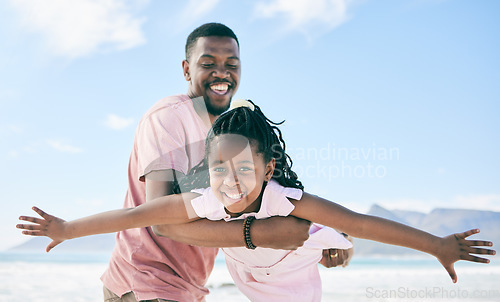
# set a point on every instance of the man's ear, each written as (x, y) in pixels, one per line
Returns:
(270, 169)
(185, 69)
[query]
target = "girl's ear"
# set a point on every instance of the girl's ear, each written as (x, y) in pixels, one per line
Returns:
(185, 69)
(270, 169)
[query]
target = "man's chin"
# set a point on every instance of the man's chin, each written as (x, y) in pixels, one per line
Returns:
(216, 108)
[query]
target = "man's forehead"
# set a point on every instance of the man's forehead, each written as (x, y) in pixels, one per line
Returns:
(217, 45)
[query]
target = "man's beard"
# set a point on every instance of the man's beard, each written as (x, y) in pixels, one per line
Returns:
(216, 110)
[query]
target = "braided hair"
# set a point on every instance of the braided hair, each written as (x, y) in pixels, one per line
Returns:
(261, 132)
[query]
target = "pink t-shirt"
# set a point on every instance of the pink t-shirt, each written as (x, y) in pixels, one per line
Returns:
(267, 274)
(171, 135)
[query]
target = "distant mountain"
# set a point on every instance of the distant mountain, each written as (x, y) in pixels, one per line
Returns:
(440, 222)
(96, 243)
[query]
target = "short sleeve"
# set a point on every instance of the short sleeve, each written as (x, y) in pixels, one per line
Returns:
(276, 201)
(161, 143)
(207, 205)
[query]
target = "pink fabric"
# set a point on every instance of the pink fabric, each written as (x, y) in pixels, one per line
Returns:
(274, 275)
(170, 135)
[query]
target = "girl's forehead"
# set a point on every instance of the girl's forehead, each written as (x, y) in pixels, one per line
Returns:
(228, 146)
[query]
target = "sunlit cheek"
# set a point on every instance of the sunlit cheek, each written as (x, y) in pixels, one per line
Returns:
(250, 182)
(215, 182)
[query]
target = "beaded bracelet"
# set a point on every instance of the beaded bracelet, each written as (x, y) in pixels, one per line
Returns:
(246, 232)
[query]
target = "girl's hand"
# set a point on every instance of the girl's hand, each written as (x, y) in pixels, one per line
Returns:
(50, 226)
(455, 247)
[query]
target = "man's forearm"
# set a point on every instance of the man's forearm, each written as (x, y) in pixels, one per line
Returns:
(275, 232)
(205, 233)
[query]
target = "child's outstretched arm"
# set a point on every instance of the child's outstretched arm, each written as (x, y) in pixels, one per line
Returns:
(171, 209)
(447, 250)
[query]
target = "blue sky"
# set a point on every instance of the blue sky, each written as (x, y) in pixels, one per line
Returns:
(388, 102)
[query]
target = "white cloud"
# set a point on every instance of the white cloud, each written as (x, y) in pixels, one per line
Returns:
(11, 129)
(80, 27)
(117, 123)
(12, 154)
(62, 147)
(311, 17)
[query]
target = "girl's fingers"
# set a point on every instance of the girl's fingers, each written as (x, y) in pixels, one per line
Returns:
(473, 258)
(51, 245)
(33, 233)
(481, 251)
(451, 271)
(29, 226)
(32, 219)
(479, 243)
(466, 234)
(40, 212)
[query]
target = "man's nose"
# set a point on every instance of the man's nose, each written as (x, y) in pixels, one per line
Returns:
(221, 72)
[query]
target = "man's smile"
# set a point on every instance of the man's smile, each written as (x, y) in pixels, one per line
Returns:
(220, 88)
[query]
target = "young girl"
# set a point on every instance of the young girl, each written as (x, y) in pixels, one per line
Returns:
(246, 174)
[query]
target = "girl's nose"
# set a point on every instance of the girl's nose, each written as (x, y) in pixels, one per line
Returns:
(230, 180)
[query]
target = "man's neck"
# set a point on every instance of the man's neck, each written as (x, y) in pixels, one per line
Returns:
(201, 109)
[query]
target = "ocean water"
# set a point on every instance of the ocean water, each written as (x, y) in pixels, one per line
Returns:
(73, 277)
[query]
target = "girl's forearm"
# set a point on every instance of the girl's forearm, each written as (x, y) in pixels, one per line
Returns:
(391, 232)
(328, 213)
(171, 209)
(106, 222)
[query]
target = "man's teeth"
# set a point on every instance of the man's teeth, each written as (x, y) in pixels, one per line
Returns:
(220, 88)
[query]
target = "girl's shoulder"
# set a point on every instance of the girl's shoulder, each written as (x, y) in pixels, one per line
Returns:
(276, 188)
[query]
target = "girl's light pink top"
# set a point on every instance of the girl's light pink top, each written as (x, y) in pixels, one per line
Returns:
(274, 275)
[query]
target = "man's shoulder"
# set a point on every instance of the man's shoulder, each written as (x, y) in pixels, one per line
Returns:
(175, 107)
(169, 104)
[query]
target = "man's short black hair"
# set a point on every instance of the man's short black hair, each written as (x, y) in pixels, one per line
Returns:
(208, 30)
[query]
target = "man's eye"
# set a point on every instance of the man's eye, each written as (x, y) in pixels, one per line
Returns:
(232, 66)
(207, 65)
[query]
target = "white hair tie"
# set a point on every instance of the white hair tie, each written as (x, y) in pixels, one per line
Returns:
(241, 103)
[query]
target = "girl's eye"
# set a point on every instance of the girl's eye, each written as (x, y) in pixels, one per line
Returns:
(219, 170)
(246, 169)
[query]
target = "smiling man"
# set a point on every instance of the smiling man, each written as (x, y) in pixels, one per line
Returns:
(169, 141)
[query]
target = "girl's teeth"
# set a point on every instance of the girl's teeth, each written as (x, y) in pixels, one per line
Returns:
(234, 196)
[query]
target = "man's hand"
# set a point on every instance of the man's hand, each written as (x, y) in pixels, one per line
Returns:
(336, 257)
